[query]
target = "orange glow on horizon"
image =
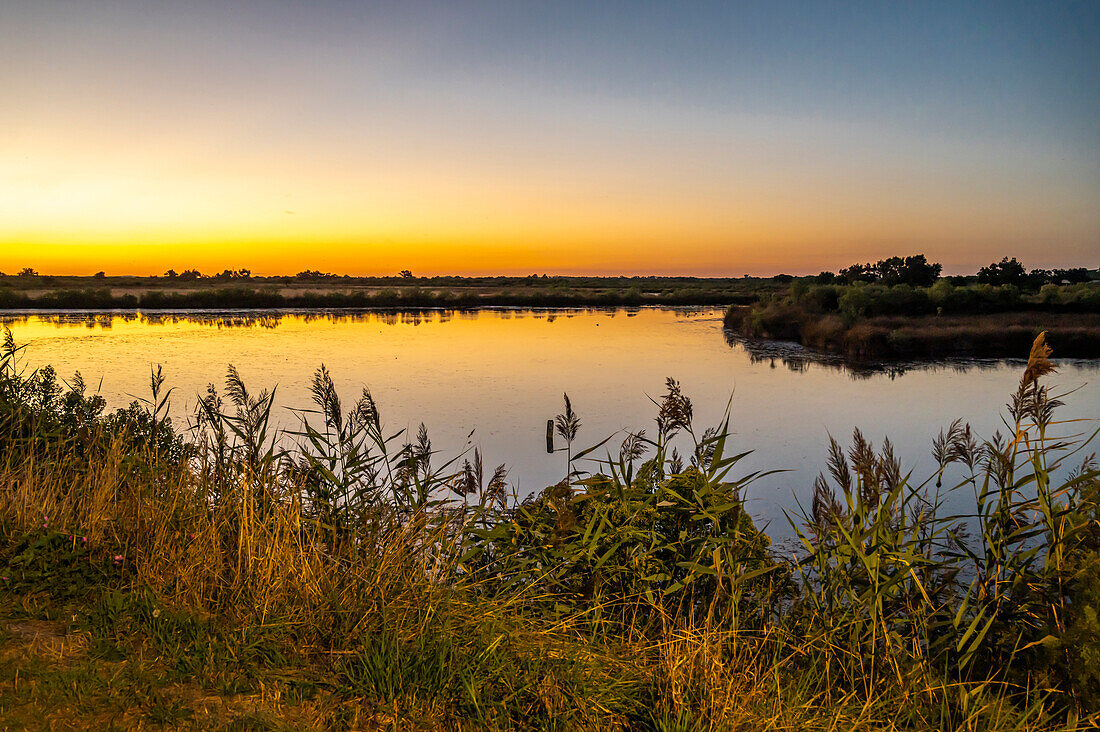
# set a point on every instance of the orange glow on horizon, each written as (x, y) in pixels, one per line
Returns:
(476, 138)
(140, 205)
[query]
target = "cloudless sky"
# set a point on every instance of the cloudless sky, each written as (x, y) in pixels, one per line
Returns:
(520, 137)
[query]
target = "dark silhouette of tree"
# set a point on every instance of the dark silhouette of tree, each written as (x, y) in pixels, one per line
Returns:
(314, 274)
(232, 274)
(27, 272)
(189, 275)
(171, 274)
(859, 273)
(1072, 276)
(914, 270)
(1011, 272)
(405, 274)
(100, 275)
(1006, 272)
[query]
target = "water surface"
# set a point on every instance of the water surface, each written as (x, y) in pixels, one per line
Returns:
(502, 373)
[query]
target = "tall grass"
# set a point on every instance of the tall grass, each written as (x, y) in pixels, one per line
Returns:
(867, 322)
(639, 595)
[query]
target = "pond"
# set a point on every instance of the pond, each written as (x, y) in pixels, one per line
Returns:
(501, 373)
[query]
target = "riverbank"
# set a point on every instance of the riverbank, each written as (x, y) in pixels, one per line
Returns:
(865, 323)
(1000, 335)
(209, 579)
(158, 293)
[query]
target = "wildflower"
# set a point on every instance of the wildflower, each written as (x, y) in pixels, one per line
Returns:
(156, 613)
(83, 540)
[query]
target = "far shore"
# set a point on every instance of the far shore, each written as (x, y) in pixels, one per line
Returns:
(858, 322)
(160, 293)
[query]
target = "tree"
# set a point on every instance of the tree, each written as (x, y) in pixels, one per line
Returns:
(405, 274)
(189, 274)
(914, 270)
(859, 273)
(171, 274)
(27, 272)
(100, 275)
(1006, 272)
(313, 274)
(233, 274)
(1073, 276)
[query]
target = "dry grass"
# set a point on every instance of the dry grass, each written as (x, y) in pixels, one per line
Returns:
(695, 678)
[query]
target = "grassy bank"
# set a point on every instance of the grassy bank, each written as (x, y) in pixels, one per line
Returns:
(208, 578)
(152, 293)
(864, 322)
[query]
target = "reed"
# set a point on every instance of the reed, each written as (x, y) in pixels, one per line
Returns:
(874, 322)
(337, 575)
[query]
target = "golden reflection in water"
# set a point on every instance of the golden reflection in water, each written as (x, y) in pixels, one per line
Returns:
(503, 373)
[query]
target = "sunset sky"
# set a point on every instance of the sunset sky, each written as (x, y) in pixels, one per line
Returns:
(558, 137)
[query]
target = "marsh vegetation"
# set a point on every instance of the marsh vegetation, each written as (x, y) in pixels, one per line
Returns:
(311, 289)
(864, 321)
(208, 575)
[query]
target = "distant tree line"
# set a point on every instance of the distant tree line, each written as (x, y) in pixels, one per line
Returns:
(245, 274)
(1011, 272)
(914, 270)
(917, 271)
(228, 275)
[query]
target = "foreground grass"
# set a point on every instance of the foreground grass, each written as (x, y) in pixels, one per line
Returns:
(130, 659)
(67, 673)
(51, 680)
(148, 582)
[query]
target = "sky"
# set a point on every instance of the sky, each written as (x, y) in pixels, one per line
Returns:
(712, 139)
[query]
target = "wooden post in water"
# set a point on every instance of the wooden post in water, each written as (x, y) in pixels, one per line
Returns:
(549, 435)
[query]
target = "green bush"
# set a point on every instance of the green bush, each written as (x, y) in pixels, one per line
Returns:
(640, 536)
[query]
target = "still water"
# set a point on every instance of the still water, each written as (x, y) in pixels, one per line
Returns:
(502, 373)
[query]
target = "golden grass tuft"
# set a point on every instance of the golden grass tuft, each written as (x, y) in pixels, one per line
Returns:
(1038, 363)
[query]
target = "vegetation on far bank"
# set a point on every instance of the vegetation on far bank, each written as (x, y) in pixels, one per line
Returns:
(898, 310)
(318, 290)
(212, 577)
(315, 289)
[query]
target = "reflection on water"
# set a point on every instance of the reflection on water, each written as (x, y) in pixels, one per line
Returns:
(798, 358)
(106, 319)
(503, 372)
